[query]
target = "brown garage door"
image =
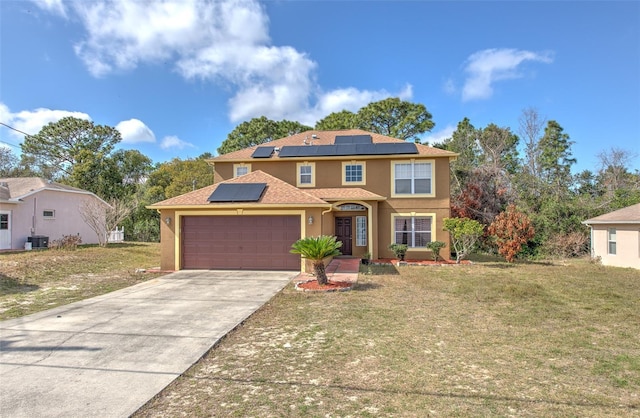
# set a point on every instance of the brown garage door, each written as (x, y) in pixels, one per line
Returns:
(240, 242)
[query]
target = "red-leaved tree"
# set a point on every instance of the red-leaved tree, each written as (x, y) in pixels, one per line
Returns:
(511, 230)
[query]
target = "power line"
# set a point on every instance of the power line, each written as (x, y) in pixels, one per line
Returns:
(14, 129)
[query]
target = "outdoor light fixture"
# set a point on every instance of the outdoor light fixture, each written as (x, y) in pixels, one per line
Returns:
(167, 220)
(310, 220)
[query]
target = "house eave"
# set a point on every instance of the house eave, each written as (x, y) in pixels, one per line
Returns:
(588, 223)
(240, 206)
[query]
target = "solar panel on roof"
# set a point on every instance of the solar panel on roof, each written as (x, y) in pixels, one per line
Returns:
(263, 152)
(353, 139)
(387, 148)
(238, 192)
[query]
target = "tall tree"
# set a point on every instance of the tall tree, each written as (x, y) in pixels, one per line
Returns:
(8, 162)
(338, 120)
(555, 156)
(499, 148)
(531, 125)
(258, 131)
(395, 118)
(60, 145)
(464, 141)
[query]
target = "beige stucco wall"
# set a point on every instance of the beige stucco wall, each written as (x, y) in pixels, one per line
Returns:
(627, 245)
(170, 245)
(27, 218)
(378, 179)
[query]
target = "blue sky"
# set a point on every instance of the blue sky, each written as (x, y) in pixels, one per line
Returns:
(176, 78)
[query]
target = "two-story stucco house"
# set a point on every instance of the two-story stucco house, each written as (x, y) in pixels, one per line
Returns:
(368, 190)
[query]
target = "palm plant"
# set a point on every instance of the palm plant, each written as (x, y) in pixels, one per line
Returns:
(316, 249)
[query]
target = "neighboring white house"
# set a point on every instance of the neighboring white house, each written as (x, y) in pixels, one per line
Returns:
(615, 237)
(32, 207)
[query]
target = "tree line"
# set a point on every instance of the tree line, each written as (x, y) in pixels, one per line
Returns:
(530, 169)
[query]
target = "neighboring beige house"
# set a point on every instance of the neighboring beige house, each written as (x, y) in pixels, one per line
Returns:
(35, 207)
(368, 190)
(615, 237)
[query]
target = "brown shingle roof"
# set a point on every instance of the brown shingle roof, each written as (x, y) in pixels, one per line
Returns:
(352, 193)
(277, 192)
(630, 214)
(327, 138)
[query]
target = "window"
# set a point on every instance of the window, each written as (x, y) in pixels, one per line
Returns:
(611, 238)
(49, 214)
(412, 178)
(4, 221)
(241, 169)
(306, 174)
(353, 172)
(361, 231)
(414, 231)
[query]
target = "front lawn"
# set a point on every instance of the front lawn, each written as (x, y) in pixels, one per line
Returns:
(32, 281)
(487, 339)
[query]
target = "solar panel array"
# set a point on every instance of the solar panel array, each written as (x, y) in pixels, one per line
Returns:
(389, 148)
(353, 139)
(263, 152)
(237, 192)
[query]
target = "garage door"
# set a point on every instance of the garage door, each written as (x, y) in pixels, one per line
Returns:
(240, 242)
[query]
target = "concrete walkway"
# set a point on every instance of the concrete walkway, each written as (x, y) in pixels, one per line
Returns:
(107, 356)
(339, 270)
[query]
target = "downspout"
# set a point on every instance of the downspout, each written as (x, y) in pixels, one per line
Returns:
(322, 218)
(33, 218)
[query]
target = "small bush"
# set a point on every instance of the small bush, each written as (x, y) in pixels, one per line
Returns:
(573, 244)
(435, 247)
(399, 250)
(67, 242)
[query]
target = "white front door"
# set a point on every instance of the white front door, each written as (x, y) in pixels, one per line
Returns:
(5, 230)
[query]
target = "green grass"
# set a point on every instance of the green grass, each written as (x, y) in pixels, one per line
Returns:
(32, 281)
(487, 339)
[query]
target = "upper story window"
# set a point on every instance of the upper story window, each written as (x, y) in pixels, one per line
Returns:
(306, 176)
(49, 214)
(412, 178)
(353, 172)
(611, 241)
(241, 169)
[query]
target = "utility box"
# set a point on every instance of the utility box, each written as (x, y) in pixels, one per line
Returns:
(38, 241)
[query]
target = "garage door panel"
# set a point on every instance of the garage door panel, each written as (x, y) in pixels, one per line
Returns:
(240, 242)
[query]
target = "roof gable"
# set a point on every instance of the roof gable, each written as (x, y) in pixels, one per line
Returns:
(630, 214)
(20, 187)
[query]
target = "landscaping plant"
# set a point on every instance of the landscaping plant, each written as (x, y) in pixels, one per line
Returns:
(511, 229)
(317, 249)
(464, 235)
(435, 247)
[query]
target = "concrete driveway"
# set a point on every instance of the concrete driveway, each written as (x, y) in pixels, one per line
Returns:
(107, 356)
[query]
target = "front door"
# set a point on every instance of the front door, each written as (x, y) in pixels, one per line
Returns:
(5, 230)
(343, 233)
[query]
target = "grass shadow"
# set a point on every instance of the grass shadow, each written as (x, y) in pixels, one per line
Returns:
(11, 286)
(379, 270)
(359, 286)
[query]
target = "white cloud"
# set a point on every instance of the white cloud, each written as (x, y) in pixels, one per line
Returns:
(224, 41)
(134, 131)
(170, 142)
(54, 6)
(486, 67)
(440, 135)
(32, 121)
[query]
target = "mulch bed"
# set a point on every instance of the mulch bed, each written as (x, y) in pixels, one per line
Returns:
(395, 262)
(331, 286)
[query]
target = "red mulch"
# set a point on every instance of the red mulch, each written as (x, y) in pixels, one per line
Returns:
(313, 286)
(420, 262)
